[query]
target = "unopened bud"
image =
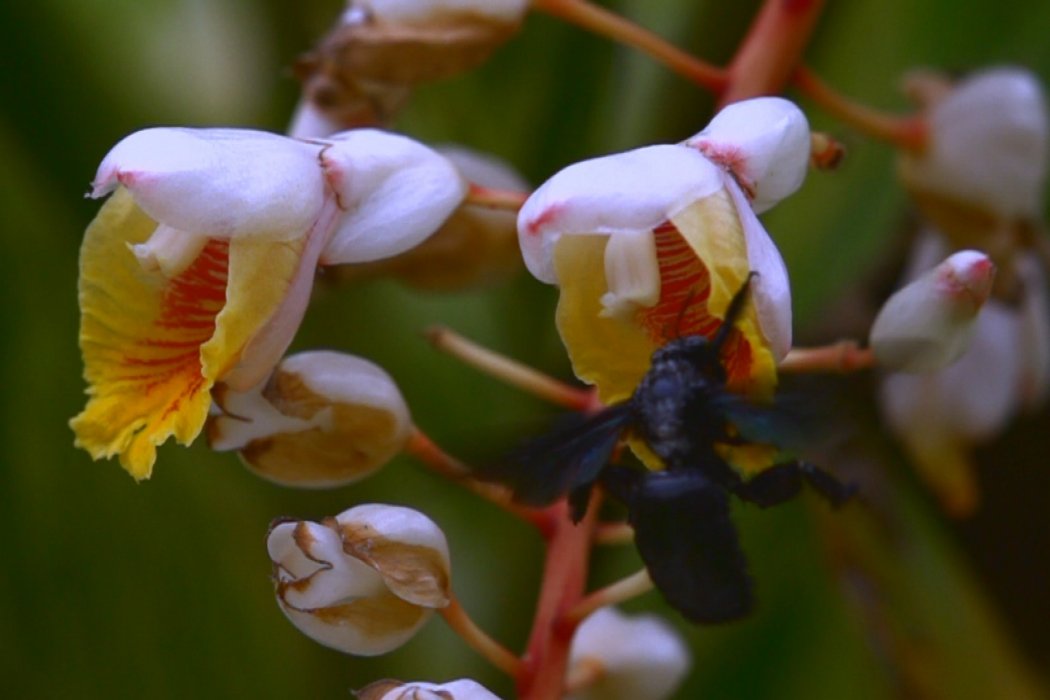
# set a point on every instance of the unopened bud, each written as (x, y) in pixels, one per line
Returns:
(463, 689)
(626, 658)
(987, 150)
(928, 324)
(476, 246)
(324, 419)
(363, 582)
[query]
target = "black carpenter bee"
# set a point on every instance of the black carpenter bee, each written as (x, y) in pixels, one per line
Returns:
(680, 515)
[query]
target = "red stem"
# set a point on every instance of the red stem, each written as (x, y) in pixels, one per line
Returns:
(772, 49)
(546, 660)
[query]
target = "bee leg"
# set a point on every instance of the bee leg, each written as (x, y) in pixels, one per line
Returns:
(827, 484)
(783, 481)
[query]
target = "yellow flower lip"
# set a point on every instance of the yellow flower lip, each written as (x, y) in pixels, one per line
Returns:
(200, 265)
(647, 246)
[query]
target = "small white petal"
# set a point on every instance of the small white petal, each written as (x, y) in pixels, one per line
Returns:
(928, 324)
(169, 250)
(632, 273)
(988, 144)
(396, 193)
(484, 169)
(629, 192)
(309, 122)
(764, 142)
(218, 182)
(771, 290)
(423, 12)
(641, 656)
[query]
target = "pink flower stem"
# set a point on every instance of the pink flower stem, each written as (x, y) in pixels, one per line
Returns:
(772, 50)
(907, 132)
(491, 198)
(543, 675)
(605, 23)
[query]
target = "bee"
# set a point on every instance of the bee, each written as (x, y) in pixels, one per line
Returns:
(683, 412)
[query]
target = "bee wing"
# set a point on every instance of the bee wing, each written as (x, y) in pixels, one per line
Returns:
(566, 460)
(792, 421)
(689, 545)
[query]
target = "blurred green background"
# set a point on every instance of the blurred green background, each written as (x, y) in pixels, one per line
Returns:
(112, 589)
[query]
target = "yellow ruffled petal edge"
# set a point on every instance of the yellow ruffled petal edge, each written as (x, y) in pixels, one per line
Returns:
(143, 335)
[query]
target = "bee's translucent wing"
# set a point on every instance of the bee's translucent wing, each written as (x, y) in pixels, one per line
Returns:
(566, 460)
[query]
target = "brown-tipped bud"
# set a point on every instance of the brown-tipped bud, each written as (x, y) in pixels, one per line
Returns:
(463, 689)
(324, 419)
(362, 72)
(928, 324)
(363, 582)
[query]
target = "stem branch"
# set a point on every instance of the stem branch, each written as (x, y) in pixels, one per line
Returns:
(605, 23)
(909, 133)
(510, 371)
(626, 588)
(478, 640)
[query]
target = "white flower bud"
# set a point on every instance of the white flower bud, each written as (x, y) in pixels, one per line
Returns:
(428, 12)
(988, 143)
(764, 142)
(396, 192)
(632, 657)
(363, 582)
(463, 689)
(324, 419)
(928, 324)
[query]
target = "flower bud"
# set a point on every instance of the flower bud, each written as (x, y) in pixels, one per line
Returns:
(324, 419)
(928, 324)
(631, 657)
(986, 157)
(363, 582)
(476, 246)
(463, 689)
(764, 142)
(382, 47)
(395, 191)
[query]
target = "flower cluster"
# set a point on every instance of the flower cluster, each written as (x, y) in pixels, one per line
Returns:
(674, 307)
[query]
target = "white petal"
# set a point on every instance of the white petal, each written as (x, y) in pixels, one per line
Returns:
(218, 182)
(629, 192)
(403, 525)
(169, 250)
(463, 689)
(764, 142)
(642, 656)
(989, 142)
(396, 192)
(771, 290)
(483, 168)
(422, 12)
(632, 272)
(309, 122)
